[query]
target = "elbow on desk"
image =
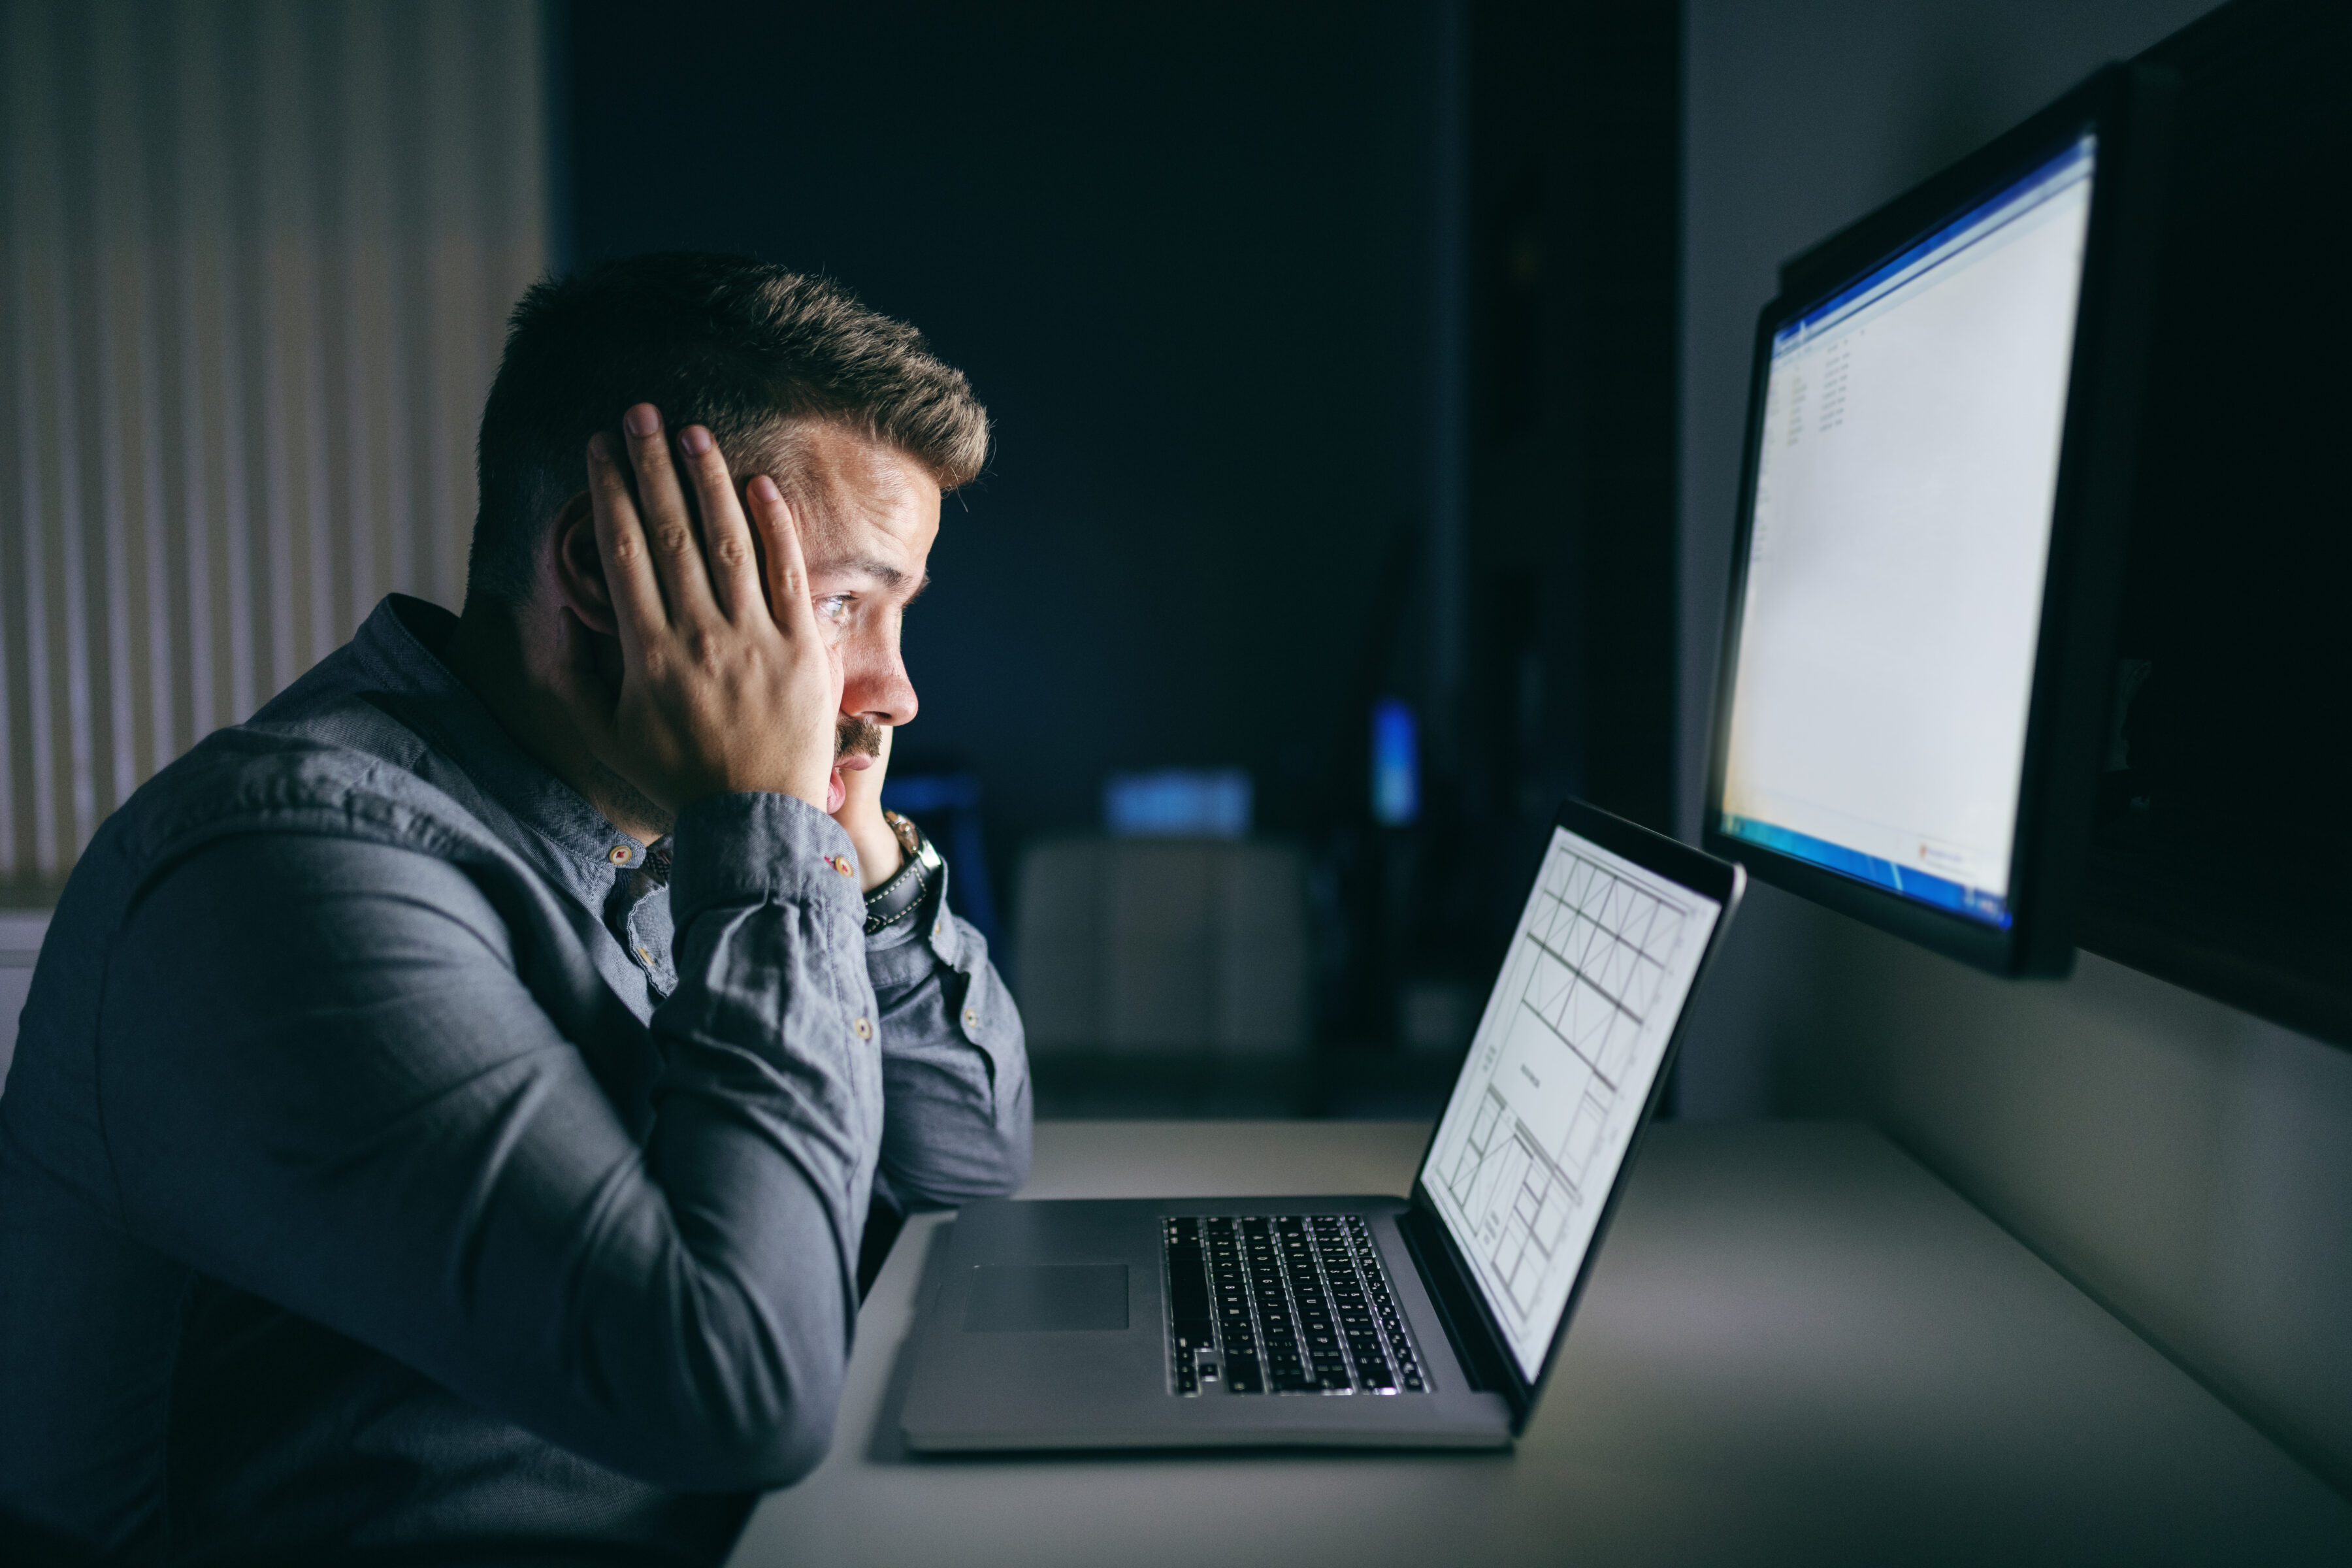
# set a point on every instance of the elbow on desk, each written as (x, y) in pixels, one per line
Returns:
(931, 1192)
(760, 1398)
(769, 1461)
(1004, 1169)
(741, 1396)
(743, 1436)
(1012, 1169)
(922, 1179)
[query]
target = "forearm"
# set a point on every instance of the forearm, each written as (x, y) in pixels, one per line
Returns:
(769, 1110)
(383, 1128)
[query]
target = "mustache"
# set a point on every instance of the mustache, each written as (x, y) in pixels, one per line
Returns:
(855, 737)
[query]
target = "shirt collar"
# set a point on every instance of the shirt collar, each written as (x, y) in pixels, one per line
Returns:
(401, 646)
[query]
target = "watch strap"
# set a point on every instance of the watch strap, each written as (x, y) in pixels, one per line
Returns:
(899, 897)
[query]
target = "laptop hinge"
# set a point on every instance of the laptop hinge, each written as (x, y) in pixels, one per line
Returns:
(1484, 1358)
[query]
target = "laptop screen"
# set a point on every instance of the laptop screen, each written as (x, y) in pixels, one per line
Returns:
(1559, 1073)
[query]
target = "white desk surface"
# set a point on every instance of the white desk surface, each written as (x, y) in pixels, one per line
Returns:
(1797, 1346)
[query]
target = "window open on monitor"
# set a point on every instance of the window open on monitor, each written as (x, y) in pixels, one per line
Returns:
(1918, 652)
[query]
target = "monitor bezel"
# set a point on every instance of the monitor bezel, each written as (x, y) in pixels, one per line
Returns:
(2127, 108)
(1705, 875)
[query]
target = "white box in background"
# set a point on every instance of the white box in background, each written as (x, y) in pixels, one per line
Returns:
(20, 943)
(1163, 947)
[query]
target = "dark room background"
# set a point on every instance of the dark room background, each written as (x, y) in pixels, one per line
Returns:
(1179, 252)
(1331, 353)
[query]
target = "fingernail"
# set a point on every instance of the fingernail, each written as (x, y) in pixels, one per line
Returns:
(642, 420)
(694, 439)
(599, 448)
(764, 489)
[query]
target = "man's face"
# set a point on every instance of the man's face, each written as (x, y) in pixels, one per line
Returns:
(867, 514)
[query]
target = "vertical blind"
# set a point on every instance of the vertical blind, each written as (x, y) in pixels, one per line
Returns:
(254, 263)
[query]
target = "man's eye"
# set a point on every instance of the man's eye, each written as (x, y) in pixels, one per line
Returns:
(832, 617)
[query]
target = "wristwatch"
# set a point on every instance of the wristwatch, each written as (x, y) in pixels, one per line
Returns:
(899, 897)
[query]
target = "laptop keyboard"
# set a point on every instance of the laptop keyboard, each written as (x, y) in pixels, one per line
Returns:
(1283, 1304)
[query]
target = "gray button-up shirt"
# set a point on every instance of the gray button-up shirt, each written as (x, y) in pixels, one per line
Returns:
(398, 1158)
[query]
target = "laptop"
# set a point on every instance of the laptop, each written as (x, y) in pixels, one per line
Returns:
(1370, 1320)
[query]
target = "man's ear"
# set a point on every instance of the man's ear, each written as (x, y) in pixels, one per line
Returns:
(580, 569)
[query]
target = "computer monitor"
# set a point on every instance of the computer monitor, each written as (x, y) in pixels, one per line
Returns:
(1917, 651)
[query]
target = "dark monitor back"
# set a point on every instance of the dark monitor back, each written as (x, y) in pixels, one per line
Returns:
(2221, 850)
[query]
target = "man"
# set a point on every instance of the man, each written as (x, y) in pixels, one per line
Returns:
(448, 1105)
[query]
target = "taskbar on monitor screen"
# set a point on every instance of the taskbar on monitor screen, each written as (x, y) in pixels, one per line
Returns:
(1941, 892)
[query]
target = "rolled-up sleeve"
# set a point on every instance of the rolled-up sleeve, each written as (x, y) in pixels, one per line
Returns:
(331, 1085)
(955, 1070)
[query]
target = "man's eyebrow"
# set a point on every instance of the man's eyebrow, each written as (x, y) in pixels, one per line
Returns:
(882, 572)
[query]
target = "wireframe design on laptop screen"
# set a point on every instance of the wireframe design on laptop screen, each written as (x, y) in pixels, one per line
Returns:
(1906, 482)
(1558, 1075)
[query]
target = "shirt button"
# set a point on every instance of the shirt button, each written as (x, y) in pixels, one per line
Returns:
(841, 864)
(864, 1030)
(971, 1017)
(618, 854)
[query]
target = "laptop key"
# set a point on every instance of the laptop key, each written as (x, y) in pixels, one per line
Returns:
(1283, 1304)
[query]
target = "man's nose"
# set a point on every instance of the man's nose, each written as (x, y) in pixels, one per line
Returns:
(874, 685)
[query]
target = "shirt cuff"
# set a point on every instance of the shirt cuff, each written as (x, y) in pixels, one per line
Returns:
(732, 849)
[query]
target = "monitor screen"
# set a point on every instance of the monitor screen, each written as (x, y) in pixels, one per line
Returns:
(1559, 1073)
(1905, 481)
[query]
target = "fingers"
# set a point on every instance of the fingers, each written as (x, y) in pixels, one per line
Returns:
(727, 548)
(780, 543)
(779, 536)
(669, 524)
(621, 541)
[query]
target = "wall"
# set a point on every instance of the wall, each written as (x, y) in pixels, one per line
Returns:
(2190, 1165)
(255, 261)
(1181, 254)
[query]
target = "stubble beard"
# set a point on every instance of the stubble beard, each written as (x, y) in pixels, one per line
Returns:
(627, 799)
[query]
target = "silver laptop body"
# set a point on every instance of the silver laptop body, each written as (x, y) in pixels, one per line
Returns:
(1430, 1320)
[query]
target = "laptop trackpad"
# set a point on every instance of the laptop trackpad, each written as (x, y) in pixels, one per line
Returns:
(1030, 1297)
